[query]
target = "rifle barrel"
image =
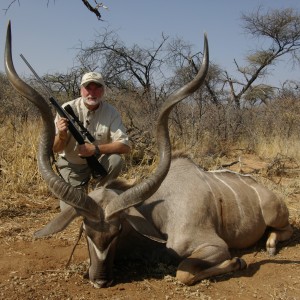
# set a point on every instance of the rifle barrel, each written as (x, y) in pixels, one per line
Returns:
(34, 73)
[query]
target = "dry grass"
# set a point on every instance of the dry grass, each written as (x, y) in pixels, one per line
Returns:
(21, 184)
(288, 147)
(20, 175)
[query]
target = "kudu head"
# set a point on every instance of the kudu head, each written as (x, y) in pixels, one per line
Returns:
(103, 209)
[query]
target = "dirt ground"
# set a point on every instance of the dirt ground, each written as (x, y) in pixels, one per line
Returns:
(36, 269)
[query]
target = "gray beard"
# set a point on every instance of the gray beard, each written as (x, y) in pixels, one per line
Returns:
(92, 101)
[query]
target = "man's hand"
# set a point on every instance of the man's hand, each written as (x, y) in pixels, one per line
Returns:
(86, 150)
(62, 127)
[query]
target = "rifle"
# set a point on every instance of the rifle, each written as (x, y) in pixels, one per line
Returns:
(97, 169)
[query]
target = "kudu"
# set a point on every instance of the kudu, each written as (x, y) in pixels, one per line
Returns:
(200, 215)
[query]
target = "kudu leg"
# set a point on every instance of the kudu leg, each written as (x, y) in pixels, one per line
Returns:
(278, 235)
(206, 262)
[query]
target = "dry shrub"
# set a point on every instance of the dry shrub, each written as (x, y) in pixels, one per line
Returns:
(278, 146)
(18, 151)
(209, 139)
(274, 128)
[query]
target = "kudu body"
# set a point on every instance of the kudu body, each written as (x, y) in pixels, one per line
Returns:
(200, 215)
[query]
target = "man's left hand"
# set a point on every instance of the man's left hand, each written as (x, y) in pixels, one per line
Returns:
(86, 150)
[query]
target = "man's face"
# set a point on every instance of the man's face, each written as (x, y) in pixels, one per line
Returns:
(92, 93)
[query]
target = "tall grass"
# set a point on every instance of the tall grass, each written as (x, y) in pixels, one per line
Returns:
(288, 147)
(18, 151)
(265, 132)
(19, 146)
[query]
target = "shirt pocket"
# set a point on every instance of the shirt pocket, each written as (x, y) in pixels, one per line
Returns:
(102, 137)
(98, 136)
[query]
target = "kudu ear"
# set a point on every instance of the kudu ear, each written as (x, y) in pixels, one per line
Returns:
(142, 225)
(59, 223)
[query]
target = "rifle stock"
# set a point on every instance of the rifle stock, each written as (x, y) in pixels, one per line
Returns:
(97, 169)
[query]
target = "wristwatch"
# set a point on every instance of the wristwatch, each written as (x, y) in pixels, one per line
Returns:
(97, 152)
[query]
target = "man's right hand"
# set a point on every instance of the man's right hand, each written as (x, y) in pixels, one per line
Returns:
(62, 127)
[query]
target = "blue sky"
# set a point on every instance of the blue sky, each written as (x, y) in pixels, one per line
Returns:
(47, 35)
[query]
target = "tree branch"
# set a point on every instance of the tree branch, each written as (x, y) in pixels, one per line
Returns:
(94, 10)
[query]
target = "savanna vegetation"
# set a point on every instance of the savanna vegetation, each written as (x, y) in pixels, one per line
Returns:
(229, 113)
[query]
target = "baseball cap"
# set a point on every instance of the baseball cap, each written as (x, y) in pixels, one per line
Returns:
(92, 77)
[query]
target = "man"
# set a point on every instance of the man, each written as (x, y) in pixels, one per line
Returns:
(104, 123)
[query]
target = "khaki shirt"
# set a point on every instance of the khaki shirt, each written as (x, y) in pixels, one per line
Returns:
(104, 124)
